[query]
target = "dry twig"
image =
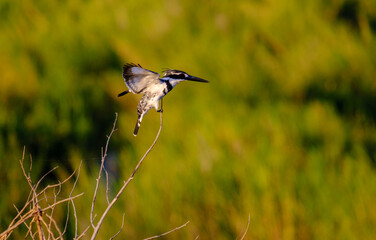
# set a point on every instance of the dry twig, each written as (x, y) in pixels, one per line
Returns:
(246, 229)
(40, 217)
(110, 205)
(122, 225)
(163, 234)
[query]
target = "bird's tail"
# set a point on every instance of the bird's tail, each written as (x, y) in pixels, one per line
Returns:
(138, 124)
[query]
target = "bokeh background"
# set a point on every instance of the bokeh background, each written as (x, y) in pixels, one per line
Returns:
(285, 131)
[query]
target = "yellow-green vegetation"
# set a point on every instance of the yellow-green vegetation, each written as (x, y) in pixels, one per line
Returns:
(285, 131)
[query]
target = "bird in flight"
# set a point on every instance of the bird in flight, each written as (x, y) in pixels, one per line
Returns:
(153, 87)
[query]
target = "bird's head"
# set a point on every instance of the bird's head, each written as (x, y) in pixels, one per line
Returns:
(176, 76)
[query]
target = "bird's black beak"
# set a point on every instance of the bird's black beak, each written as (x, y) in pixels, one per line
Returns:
(196, 79)
(123, 93)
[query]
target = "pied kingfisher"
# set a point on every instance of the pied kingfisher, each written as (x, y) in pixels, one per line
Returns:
(142, 81)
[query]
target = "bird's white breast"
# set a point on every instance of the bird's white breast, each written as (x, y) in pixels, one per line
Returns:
(157, 93)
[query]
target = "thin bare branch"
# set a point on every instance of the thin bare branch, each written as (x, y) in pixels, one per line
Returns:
(83, 233)
(29, 232)
(107, 188)
(61, 201)
(163, 234)
(27, 175)
(39, 225)
(48, 228)
(33, 235)
(27, 226)
(55, 225)
(15, 225)
(246, 230)
(152, 145)
(52, 213)
(74, 207)
(20, 212)
(57, 184)
(75, 220)
(31, 164)
(45, 175)
(32, 194)
(104, 155)
(42, 218)
(99, 224)
(122, 226)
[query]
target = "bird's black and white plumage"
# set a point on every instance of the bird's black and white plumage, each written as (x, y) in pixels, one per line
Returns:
(142, 81)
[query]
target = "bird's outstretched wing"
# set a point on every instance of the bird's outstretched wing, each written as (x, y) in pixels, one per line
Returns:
(138, 79)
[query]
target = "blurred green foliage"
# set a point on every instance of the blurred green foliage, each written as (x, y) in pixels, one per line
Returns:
(285, 131)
